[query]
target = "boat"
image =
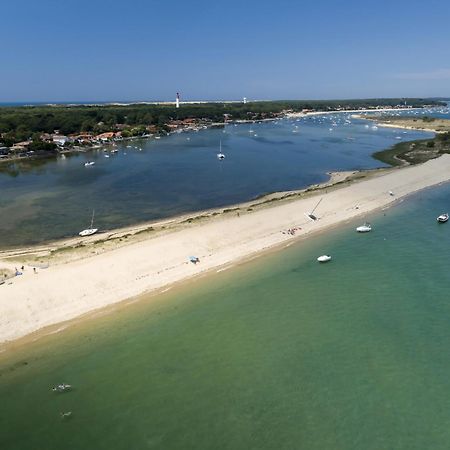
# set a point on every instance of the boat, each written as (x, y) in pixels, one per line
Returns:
(324, 258)
(89, 163)
(364, 228)
(442, 218)
(311, 215)
(62, 387)
(220, 155)
(91, 230)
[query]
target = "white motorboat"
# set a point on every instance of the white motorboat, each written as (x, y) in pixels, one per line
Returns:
(364, 228)
(62, 387)
(91, 230)
(442, 218)
(324, 258)
(89, 163)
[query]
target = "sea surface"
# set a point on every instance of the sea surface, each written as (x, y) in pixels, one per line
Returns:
(150, 179)
(277, 353)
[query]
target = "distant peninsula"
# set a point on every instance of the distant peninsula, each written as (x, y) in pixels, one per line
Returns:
(30, 132)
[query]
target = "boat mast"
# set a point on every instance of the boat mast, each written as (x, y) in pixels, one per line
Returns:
(92, 220)
(316, 205)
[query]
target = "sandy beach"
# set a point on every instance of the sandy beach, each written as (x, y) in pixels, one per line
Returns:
(69, 288)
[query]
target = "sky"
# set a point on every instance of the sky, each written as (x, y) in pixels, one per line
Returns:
(147, 50)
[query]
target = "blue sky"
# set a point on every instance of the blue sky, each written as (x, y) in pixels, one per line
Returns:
(148, 50)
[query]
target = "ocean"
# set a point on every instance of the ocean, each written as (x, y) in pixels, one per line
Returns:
(276, 353)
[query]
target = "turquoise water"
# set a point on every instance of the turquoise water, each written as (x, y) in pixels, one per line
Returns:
(278, 353)
(46, 200)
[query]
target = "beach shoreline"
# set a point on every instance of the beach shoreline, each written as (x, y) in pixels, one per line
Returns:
(73, 287)
(380, 123)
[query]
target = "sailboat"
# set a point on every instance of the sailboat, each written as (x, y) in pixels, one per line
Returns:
(311, 215)
(89, 231)
(220, 155)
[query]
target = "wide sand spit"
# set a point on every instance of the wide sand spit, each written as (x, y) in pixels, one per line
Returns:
(64, 291)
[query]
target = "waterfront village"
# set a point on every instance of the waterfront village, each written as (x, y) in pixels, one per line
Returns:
(57, 143)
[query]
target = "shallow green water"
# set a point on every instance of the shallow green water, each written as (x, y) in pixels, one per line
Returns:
(280, 353)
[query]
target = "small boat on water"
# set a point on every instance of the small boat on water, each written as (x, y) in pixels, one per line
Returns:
(89, 163)
(220, 155)
(62, 387)
(324, 258)
(442, 218)
(364, 228)
(91, 230)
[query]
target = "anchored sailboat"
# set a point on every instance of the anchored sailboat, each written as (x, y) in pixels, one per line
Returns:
(91, 230)
(220, 155)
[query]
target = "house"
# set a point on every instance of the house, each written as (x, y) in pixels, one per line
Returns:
(105, 137)
(83, 138)
(59, 139)
(20, 146)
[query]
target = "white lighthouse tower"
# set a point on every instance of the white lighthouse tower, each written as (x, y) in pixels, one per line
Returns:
(245, 100)
(177, 101)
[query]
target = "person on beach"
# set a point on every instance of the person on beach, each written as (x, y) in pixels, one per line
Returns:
(34, 270)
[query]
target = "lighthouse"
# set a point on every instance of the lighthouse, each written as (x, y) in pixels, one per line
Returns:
(245, 100)
(177, 101)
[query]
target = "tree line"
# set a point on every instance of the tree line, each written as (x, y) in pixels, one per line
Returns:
(25, 122)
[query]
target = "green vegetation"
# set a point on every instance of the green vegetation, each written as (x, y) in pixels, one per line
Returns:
(21, 123)
(418, 151)
(415, 152)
